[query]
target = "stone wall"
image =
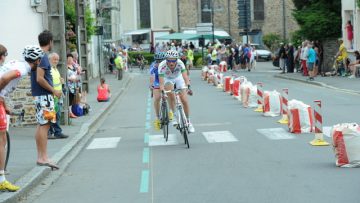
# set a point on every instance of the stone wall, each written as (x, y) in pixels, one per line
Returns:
(19, 100)
(190, 15)
(330, 49)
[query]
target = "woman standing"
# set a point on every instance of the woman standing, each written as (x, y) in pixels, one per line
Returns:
(350, 33)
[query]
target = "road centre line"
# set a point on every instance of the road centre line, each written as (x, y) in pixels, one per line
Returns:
(146, 155)
(144, 183)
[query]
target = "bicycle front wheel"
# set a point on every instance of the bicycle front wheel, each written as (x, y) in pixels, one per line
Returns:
(7, 149)
(165, 122)
(183, 127)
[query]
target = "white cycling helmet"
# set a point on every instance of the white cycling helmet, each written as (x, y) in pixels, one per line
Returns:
(33, 52)
(172, 54)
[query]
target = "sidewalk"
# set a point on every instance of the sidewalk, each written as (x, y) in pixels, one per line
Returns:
(337, 82)
(22, 168)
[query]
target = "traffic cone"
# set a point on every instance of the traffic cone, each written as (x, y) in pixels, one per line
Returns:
(260, 94)
(319, 136)
(285, 109)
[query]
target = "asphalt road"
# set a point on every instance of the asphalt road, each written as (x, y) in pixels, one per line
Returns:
(249, 167)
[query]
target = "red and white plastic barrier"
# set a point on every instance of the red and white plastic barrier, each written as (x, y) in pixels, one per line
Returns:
(236, 88)
(204, 71)
(227, 80)
(284, 106)
(260, 97)
(223, 67)
(300, 117)
(319, 137)
(346, 142)
(249, 95)
(272, 103)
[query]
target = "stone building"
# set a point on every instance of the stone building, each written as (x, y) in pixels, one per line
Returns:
(268, 16)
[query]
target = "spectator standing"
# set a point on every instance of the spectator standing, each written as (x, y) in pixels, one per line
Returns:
(71, 82)
(350, 33)
(55, 131)
(190, 58)
(43, 91)
(213, 55)
(290, 59)
(311, 59)
(341, 56)
(303, 57)
(282, 54)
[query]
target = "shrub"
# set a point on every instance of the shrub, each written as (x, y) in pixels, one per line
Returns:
(271, 40)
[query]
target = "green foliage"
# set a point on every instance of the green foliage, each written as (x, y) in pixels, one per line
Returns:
(318, 19)
(70, 17)
(296, 38)
(148, 56)
(358, 3)
(271, 40)
(198, 60)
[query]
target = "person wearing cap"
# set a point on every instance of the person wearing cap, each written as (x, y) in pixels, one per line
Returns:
(10, 75)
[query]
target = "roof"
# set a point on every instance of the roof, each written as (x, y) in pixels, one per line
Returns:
(137, 32)
(178, 36)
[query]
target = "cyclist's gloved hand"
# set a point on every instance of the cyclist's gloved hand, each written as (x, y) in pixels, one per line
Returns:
(189, 92)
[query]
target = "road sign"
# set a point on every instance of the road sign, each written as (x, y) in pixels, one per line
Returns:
(204, 28)
(244, 15)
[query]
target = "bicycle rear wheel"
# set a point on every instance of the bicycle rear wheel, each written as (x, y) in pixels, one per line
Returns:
(7, 149)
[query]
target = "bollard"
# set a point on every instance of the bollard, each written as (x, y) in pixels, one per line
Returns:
(260, 93)
(319, 137)
(284, 106)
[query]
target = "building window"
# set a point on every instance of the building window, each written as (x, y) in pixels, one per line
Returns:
(145, 17)
(259, 10)
(206, 11)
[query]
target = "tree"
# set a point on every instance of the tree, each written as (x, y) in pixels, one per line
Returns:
(318, 19)
(70, 17)
(271, 40)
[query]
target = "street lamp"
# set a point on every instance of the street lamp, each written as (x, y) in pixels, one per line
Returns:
(211, 9)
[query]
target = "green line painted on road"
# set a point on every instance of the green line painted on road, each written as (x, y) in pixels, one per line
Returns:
(148, 116)
(146, 155)
(146, 138)
(147, 125)
(144, 185)
(148, 110)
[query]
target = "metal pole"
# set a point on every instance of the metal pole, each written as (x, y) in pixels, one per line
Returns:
(98, 38)
(178, 14)
(247, 25)
(229, 23)
(284, 20)
(212, 20)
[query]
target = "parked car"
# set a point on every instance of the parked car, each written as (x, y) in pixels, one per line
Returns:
(261, 52)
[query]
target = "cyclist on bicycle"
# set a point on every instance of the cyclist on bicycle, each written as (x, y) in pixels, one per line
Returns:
(172, 72)
(10, 75)
(154, 86)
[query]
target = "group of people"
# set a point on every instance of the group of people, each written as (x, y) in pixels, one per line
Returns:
(36, 63)
(308, 60)
(47, 88)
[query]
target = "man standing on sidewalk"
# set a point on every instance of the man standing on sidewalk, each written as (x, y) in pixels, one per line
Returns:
(282, 54)
(55, 131)
(311, 57)
(43, 91)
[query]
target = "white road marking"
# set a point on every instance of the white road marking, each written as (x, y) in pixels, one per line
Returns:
(104, 143)
(211, 124)
(219, 136)
(159, 140)
(276, 133)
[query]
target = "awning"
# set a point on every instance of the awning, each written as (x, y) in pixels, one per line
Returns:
(210, 36)
(137, 32)
(178, 36)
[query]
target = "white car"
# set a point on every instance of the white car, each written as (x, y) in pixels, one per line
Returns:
(261, 52)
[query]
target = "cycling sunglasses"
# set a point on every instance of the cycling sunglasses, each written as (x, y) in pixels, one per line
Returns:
(171, 61)
(5, 54)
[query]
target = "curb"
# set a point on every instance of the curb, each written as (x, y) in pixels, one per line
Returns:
(321, 84)
(37, 174)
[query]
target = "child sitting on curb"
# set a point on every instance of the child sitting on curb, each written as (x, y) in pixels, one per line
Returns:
(103, 91)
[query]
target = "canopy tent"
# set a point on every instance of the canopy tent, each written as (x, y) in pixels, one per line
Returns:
(183, 36)
(210, 36)
(178, 36)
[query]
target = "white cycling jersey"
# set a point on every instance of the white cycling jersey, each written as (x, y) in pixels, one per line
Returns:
(166, 72)
(22, 68)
